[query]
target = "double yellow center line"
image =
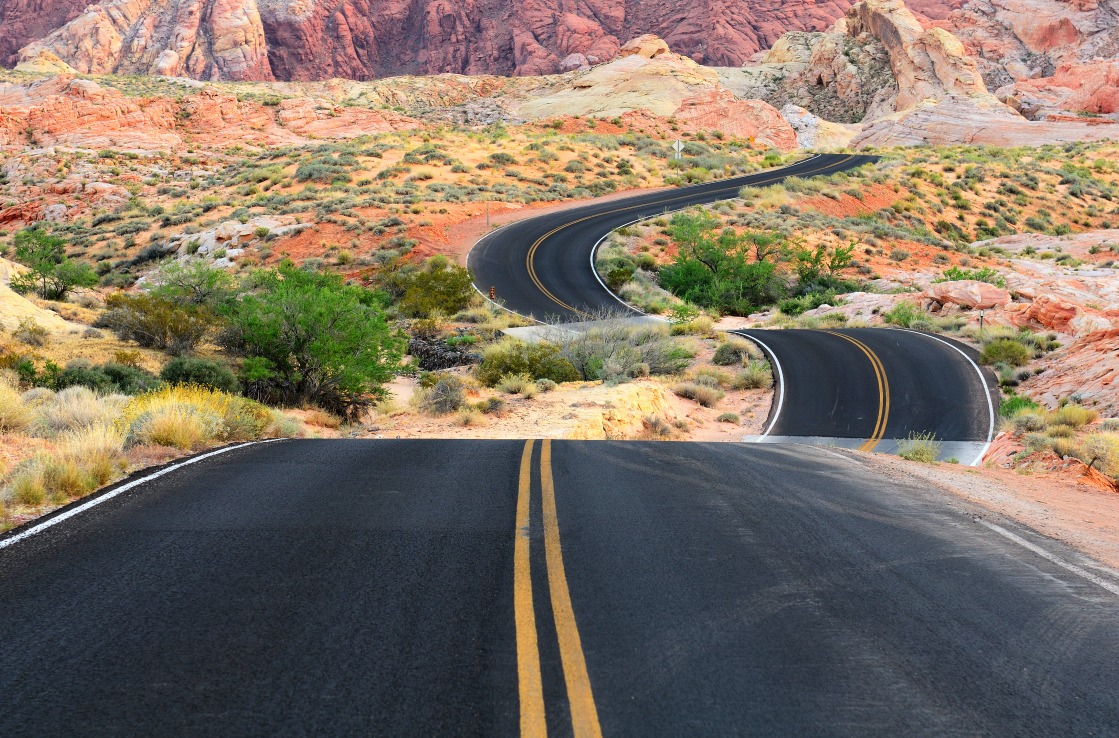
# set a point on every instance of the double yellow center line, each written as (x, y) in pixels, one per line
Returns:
(530, 258)
(883, 391)
(584, 714)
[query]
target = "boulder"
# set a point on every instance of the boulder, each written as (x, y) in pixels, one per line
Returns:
(967, 293)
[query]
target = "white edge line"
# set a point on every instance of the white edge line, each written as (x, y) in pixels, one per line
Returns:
(595, 249)
(982, 383)
(119, 490)
(1109, 586)
(780, 380)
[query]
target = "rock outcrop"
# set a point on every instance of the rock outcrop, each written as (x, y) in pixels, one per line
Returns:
(63, 111)
(363, 39)
(967, 293)
(646, 76)
(203, 39)
(1045, 57)
(875, 61)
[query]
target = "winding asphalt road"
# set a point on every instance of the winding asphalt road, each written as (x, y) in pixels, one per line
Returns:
(587, 588)
(541, 266)
(865, 389)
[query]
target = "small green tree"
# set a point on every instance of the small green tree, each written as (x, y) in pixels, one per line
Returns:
(311, 338)
(717, 271)
(52, 274)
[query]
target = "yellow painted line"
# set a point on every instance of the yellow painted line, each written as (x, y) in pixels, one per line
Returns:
(530, 687)
(584, 714)
(883, 391)
(530, 264)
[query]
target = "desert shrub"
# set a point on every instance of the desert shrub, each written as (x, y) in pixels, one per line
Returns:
(922, 447)
(156, 322)
(188, 417)
(311, 339)
(903, 314)
(613, 349)
(440, 287)
(15, 416)
(728, 418)
(712, 377)
(195, 282)
(733, 352)
(1005, 351)
(202, 372)
(73, 408)
(444, 396)
(537, 360)
(1101, 450)
(107, 378)
(517, 384)
(468, 416)
(1073, 416)
(702, 394)
(30, 332)
(97, 449)
(1012, 406)
(1028, 422)
(755, 374)
(1065, 447)
(545, 385)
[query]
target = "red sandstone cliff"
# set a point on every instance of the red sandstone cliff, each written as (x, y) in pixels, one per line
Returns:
(364, 39)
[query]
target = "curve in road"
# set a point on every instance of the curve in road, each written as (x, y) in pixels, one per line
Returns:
(871, 388)
(541, 266)
(502, 587)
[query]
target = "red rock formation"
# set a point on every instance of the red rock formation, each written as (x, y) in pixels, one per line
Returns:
(24, 21)
(720, 110)
(364, 39)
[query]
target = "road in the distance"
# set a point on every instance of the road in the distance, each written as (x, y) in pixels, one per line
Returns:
(869, 388)
(541, 266)
(380, 587)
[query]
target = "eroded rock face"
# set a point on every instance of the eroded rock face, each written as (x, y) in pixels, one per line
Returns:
(967, 293)
(1045, 56)
(203, 39)
(366, 39)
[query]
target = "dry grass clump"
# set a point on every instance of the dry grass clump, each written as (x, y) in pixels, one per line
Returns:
(188, 416)
(920, 447)
(469, 416)
(756, 374)
(1101, 450)
(735, 352)
(72, 408)
(322, 419)
(1074, 416)
(15, 416)
(518, 384)
(703, 394)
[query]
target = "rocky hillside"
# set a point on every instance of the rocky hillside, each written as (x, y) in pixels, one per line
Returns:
(359, 39)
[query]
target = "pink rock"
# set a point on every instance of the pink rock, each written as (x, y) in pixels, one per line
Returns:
(968, 293)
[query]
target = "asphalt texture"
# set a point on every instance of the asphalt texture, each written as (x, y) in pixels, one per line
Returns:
(831, 389)
(367, 588)
(541, 266)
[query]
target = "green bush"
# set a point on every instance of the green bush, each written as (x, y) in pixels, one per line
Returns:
(733, 353)
(203, 372)
(109, 378)
(537, 360)
(51, 274)
(310, 338)
(1005, 351)
(1012, 406)
(156, 322)
(755, 375)
(440, 287)
(903, 314)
